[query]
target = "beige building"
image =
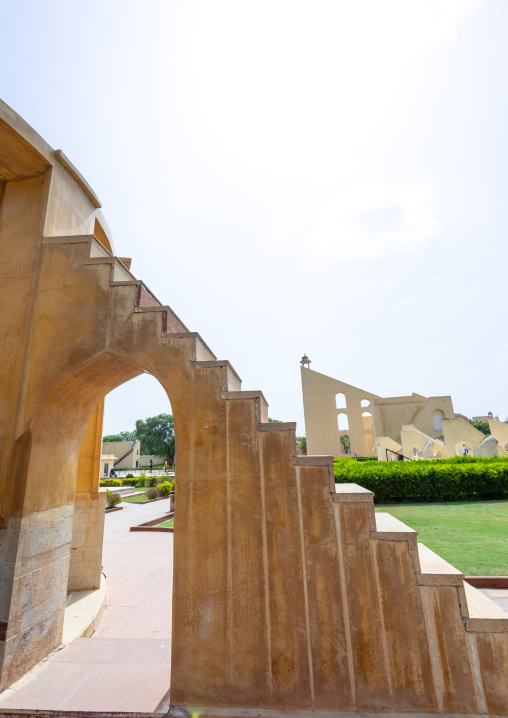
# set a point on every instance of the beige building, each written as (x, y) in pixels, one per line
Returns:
(127, 453)
(375, 425)
(343, 420)
(107, 463)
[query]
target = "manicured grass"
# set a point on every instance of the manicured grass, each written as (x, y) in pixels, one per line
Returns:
(136, 498)
(168, 524)
(471, 535)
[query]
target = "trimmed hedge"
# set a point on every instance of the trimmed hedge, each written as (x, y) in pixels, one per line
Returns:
(132, 481)
(456, 479)
(111, 482)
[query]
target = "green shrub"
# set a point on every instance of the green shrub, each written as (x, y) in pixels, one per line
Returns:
(112, 499)
(153, 494)
(132, 481)
(111, 482)
(150, 481)
(129, 476)
(166, 487)
(456, 479)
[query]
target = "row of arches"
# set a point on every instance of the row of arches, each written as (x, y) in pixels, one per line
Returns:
(343, 421)
(340, 401)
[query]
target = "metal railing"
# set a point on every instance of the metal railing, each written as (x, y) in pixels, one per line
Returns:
(400, 457)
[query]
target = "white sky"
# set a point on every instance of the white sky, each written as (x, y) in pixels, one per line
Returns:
(290, 177)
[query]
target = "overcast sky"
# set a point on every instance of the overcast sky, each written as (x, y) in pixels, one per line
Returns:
(290, 177)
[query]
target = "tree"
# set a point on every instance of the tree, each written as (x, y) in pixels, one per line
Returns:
(274, 421)
(122, 436)
(482, 426)
(346, 443)
(157, 435)
(303, 443)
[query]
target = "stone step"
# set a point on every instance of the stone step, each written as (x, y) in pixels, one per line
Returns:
(389, 528)
(481, 614)
(435, 571)
(230, 379)
(257, 396)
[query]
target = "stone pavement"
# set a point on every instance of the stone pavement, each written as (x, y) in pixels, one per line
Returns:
(498, 595)
(126, 665)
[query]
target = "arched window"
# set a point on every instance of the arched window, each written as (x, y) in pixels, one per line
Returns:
(370, 443)
(343, 422)
(365, 402)
(437, 415)
(340, 400)
(367, 419)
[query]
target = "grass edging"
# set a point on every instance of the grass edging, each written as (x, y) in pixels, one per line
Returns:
(152, 525)
(115, 508)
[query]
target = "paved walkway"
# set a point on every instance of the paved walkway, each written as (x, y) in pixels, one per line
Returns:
(498, 595)
(126, 665)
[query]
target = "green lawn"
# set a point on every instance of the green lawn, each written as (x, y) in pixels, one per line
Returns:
(167, 524)
(136, 498)
(471, 535)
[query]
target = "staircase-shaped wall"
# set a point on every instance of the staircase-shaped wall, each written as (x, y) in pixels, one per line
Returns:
(289, 592)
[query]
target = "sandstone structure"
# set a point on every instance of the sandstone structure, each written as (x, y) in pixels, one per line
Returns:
(412, 426)
(289, 592)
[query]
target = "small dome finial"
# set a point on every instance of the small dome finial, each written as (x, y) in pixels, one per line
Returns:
(305, 361)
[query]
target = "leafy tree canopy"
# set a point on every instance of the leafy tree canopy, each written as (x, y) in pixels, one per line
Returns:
(303, 443)
(482, 426)
(157, 435)
(122, 436)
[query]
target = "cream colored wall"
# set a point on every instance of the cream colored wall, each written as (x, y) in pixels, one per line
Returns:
(499, 430)
(388, 416)
(319, 402)
(393, 412)
(119, 448)
(386, 442)
(457, 431)
(108, 459)
(144, 460)
(411, 437)
(423, 419)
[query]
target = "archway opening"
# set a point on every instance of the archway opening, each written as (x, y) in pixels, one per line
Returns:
(343, 422)
(138, 418)
(67, 504)
(340, 400)
(370, 443)
(437, 416)
(367, 420)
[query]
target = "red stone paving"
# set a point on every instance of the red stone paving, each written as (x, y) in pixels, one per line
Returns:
(126, 665)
